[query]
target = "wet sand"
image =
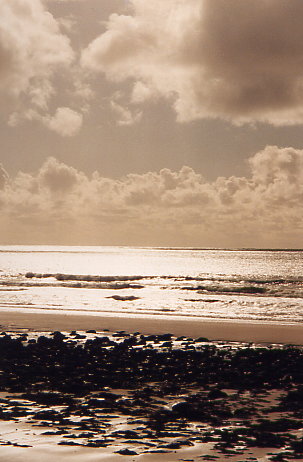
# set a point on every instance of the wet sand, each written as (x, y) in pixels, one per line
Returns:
(214, 329)
(81, 388)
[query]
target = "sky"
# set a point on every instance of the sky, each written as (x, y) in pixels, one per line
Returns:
(160, 123)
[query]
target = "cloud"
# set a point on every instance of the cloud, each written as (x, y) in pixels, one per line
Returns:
(3, 177)
(58, 177)
(159, 208)
(31, 47)
(235, 60)
(65, 122)
(274, 165)
(124, 115)
(65, 1)
(33, 52)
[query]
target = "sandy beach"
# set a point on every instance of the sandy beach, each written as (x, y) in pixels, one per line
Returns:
(109, 388)
(214, 329)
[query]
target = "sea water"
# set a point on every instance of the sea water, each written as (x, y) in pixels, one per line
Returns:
(265, 285)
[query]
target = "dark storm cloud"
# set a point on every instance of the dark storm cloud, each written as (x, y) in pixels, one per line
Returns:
(236, 60)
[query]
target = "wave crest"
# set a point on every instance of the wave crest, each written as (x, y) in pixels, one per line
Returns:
(82, 277)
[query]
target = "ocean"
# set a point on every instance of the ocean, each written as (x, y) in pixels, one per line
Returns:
(264, 285)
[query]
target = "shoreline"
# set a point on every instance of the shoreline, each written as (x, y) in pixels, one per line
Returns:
(99, 395)
(213, 329)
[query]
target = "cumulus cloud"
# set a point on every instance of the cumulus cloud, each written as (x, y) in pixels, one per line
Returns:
(278, 165)
(65, 121)
(31, 47)
(162, 208)
(240, 61)
(124, 115)
(33, 51)
(58, 177)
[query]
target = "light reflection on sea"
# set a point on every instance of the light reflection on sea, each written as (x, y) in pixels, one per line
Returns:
(229, 284)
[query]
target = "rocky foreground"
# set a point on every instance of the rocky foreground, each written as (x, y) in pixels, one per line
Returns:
(155, 394)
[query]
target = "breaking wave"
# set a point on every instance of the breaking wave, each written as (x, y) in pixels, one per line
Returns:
(75, 285)
(291, 287)
(82, 277)
(249, 280)
(226, 289)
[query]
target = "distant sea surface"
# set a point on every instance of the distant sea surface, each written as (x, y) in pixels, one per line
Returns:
(265, 285)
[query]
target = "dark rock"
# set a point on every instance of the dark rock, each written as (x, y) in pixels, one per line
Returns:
(216, 394)
(68, 443)
(47, 414)
(108, 395)
(58, 336)
(297, 446)
(164, 337)
(126, 452)
(124, 298)
(49, 398)
(100, 403)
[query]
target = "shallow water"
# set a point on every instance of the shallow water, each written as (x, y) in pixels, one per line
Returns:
(228, 284)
